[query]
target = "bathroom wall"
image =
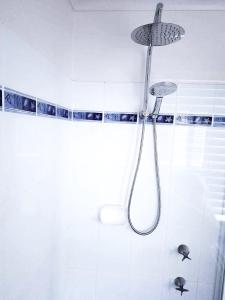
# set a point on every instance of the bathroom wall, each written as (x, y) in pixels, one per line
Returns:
(106, 261)
(57, 174)
(35, 59)
(36, 40)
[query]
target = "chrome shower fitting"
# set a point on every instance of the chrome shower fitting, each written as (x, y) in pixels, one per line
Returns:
(154, 34)
(184, 250)
(160, 90)
(157, 34)
(179, 283)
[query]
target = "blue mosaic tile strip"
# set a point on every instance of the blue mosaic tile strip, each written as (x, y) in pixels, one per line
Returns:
(17, 102)
(120, 117)
(161, 119)
(70, 114)
(219, 121)
(1, 92)
(46, 108)
(87, 116)
(194, 120)
(62, 113)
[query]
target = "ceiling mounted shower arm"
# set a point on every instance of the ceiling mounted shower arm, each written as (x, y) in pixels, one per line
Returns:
(158, 13)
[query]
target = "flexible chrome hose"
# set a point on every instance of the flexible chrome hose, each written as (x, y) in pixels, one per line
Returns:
(158, 215)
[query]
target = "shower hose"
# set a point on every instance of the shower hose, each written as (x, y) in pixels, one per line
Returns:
(158, 214)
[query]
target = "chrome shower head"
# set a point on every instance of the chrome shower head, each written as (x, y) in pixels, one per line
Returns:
(157, 34)
(161, 89)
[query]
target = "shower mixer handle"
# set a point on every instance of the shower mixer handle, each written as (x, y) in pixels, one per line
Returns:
(184, 250)
(179, 283)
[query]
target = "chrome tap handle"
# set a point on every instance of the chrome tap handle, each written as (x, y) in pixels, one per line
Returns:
(180, 282)
(184, 250)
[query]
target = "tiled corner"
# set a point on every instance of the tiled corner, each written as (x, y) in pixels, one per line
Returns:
(20, 103)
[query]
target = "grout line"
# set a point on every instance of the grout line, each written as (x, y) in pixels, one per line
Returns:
(191, 122)
(185, 10)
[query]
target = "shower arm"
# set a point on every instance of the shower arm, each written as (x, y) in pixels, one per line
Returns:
(147, 80)
(157, 19)
(158, 13)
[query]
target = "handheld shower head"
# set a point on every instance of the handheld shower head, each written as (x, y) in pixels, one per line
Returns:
(164, 88)
(160, 90)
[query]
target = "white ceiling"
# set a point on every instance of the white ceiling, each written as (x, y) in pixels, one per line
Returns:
(147, 4)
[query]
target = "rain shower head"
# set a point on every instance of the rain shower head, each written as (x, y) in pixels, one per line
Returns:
(157, 34)
(161, 89)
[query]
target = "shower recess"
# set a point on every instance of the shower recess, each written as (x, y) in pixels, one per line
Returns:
(155, 34)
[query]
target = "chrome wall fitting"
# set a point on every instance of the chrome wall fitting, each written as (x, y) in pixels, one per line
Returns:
(179, 283)
(184, 250)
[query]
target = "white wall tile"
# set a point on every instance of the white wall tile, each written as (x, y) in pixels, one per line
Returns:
(114, 287)
(144, 287)
(88, 95)
(205, 292)
(170, 292)
(113, 56)
(124, 97)
(114, 249)
(79, 284)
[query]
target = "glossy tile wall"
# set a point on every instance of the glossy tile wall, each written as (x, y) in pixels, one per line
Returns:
(111, 260)
(57, 174)
(34, 59)
(36, 49)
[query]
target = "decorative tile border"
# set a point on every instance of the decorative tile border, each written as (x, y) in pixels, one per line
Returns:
(87, 116)
(18, 102)
(63, 113)
(1, 96)
(46, 109)
(110, 117)
(219, 121)
(14, 101)
(161, 119)
(193, 120)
